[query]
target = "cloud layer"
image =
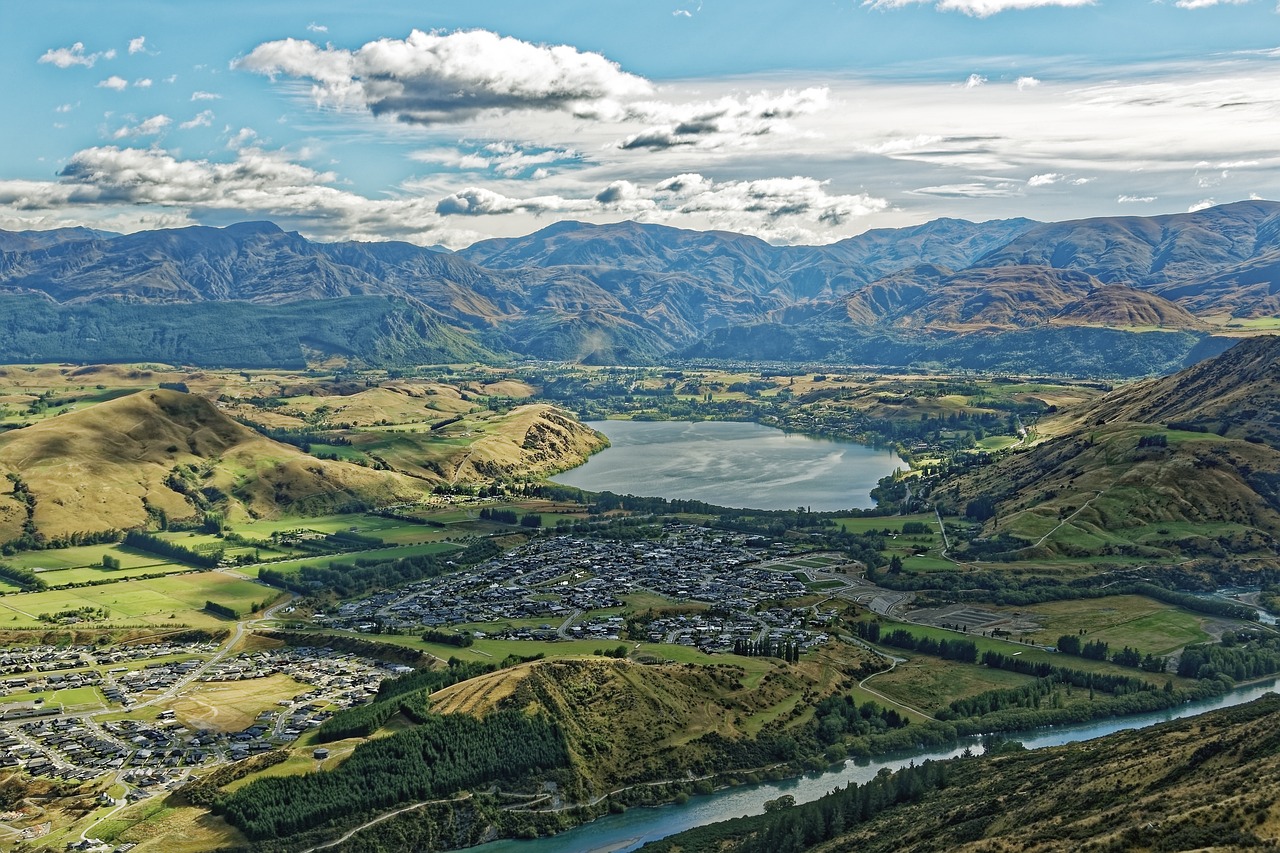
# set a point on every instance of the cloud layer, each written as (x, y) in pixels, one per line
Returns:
(432, 78)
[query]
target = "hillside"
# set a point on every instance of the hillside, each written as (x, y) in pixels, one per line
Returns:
(638, 293)
(627, 722)
(1184, 465)
(122, 463)
(1236, 395)
(1203, 783)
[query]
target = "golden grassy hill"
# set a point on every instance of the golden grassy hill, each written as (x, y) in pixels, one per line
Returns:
(1117, 306)
(106, 466)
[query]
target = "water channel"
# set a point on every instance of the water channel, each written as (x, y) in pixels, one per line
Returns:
(734, 464)
(632, 829)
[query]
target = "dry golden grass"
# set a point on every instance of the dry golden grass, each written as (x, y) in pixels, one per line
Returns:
(477, 695)
(102, 467)
(230, 706)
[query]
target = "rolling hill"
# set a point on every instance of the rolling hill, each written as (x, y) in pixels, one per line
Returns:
(1187, 465)
(122, 463)
(163, 454)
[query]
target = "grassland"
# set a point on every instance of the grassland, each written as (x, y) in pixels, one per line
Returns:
(1150, 626)
(233, 705)
(929, 684)
(174, 600)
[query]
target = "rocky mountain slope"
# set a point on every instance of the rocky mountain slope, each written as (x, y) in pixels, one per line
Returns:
(630, 292)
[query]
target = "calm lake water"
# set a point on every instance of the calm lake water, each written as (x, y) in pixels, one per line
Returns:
(636, 827)
(732, 464)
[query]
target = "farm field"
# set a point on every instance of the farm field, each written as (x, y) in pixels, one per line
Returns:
(350, 559)
(1152, 627)
(174, 599)
(930, 684)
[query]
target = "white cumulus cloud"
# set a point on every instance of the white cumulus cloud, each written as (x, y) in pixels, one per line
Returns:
(146, 127)
(711, 124)
(137, 45)
(202, 119)
(1136, 199)
(114, 82)
(66, 57)
(783, 208)
(1044, 180)
(430, 78)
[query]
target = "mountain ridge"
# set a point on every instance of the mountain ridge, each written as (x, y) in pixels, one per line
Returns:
(638, 293)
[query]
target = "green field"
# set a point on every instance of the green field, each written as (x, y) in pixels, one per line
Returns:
(173, 599)
(926, 563)
(84, 556)
(393, 553)
(892, 522)
(930, 684)
(1123, 620)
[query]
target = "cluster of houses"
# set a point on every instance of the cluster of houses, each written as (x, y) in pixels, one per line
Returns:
(561, 579)
(156, 753)
(709, 632)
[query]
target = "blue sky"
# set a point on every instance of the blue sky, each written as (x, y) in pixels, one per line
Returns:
(445, 123)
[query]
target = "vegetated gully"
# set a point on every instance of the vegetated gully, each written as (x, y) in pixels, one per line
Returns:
(618, 833)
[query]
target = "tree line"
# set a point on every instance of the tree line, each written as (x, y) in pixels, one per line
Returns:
(443, 755)
(171, 550)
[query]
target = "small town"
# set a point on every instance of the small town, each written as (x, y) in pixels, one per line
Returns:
(159, 753)
(564, 580)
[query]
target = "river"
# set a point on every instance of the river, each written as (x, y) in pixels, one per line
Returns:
(627, 831)
(735, 464)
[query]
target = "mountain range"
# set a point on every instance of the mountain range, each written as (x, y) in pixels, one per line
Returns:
(1120, 296)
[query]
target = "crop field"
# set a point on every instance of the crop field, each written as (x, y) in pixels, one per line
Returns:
(1123, 620)
(350, 559)
(175, 598)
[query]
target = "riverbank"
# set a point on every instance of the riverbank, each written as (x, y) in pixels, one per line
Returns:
(629, 830)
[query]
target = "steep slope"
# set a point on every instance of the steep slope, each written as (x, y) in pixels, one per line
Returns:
(725, 259)
(1188, 464)
(1245, 291)
(1117, 306)
(635, 293)
(1202, 783)
(26, 241)
(1236, 395)
(1205, 783)
(627, 722)
(117, 464)
(1149, 252)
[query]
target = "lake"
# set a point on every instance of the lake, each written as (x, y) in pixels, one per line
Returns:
(635, 827)
(732, 464)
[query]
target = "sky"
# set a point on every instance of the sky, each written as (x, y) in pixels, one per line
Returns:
(444, 123)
